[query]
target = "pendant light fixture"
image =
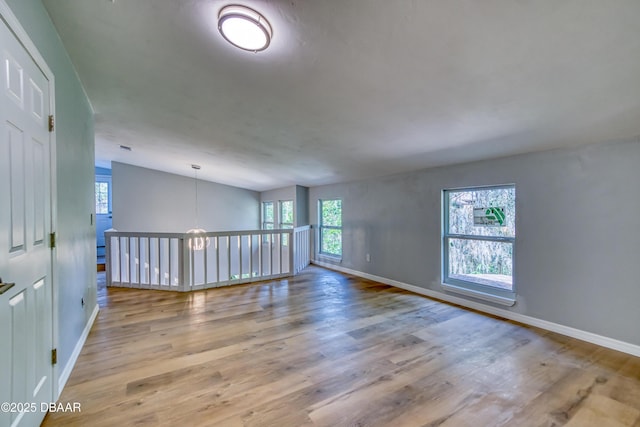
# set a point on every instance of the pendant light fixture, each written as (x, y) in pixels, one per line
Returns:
(244, 28)
(198, 240)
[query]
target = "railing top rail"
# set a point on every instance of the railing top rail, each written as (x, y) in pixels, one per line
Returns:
(302, 228)
(248, 232)
(143, 234)
(208, 233)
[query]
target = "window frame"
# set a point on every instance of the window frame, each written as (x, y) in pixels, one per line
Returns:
(264, 216)
(321, 227)
(468, 288)
(103, 179)
(285, 225)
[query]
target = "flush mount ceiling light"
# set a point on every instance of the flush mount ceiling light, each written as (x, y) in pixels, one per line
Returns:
(244, 28)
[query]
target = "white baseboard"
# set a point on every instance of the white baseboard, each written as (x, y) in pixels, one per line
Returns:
(66, 372)
(601, 340)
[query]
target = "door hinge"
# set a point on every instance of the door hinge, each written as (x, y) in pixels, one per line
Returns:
(52, 240)
(50, 123)
(54, 356)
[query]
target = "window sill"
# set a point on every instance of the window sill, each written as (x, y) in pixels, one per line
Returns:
(479, 295)
(330, 258)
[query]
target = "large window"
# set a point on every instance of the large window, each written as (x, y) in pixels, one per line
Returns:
(267, 216)
(330, 218)
(478, 241)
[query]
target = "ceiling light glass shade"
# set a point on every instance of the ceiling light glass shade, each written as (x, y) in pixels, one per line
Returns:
(197, 239)
(244, 28)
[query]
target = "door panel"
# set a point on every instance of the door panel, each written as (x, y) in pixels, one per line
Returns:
(14, 80)
(16, 179)
(25, 223)
(39, 211)
(19, 343)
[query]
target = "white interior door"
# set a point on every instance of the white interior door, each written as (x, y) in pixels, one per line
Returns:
(25, 222)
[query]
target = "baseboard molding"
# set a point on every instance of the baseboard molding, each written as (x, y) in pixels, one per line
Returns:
(601, 340)
(66, 372)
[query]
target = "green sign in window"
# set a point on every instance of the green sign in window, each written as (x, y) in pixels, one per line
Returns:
(489, 217)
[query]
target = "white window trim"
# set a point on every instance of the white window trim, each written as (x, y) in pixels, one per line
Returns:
(329, 256)
(486, 293)
(107, 179)
(508, 301)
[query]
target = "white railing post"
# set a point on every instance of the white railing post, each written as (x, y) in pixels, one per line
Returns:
(107, 256)
(205, 261)
(292, 242)
(302, 248)
(184, 264)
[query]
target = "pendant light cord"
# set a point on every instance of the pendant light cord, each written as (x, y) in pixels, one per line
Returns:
(196, 174)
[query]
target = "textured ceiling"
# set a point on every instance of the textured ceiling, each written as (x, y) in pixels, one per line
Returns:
(351, 89)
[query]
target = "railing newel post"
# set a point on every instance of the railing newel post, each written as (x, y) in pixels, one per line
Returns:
(107, 257)
(292, 242)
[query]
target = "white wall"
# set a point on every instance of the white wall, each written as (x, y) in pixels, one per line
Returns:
(578, 231)
(153, 201)
(76, 239)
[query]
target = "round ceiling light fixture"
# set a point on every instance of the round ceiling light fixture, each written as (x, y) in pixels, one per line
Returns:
(244, 28)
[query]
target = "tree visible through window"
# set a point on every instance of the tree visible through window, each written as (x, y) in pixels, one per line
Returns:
(102, 198)
(286, 214)
(479, 236)
(330, 213)
(267, 216)
(286, 218)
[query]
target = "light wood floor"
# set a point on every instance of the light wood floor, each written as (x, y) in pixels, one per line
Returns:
(326, 349)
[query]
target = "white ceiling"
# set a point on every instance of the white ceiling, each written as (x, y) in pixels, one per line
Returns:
(351, 89)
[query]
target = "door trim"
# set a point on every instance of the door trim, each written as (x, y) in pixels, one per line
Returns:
(14, 25)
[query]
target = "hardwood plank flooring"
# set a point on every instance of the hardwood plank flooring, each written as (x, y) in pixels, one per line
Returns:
(328, 349)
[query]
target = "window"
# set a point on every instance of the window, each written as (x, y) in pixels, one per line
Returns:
(478, 241)
(330, 213)
(267, 216)
(286, 214)
(102, 198)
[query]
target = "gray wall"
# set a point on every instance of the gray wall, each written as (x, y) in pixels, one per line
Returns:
(300, 197)
(286, 193)
(302, 206)
(76, 236)
(150, 200)
(578, 231)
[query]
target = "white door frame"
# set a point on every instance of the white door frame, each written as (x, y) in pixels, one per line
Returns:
(12, 22)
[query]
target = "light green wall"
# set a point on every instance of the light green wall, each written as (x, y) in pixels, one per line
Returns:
(76, 246)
